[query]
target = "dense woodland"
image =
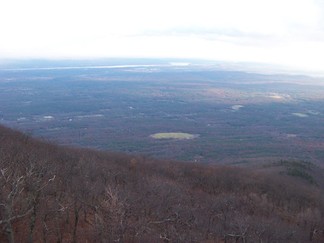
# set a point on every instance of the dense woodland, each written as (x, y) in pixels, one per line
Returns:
(235, 116)
(51, 193)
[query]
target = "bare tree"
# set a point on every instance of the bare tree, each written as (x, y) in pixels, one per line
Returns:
(13, 186)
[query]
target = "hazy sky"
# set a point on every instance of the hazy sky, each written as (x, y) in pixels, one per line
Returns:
(289, 32)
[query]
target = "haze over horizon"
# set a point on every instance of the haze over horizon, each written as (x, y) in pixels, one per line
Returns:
(289, 33)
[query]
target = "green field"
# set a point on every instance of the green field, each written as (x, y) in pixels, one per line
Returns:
(172, 135)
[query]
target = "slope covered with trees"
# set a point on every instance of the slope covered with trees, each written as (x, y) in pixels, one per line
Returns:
(51, 193)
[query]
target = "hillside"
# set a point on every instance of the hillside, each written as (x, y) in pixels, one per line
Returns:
(51, 193)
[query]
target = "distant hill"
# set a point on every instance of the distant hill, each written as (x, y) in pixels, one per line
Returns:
(51, 193)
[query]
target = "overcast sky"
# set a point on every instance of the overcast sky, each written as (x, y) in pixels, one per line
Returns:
(288, 32)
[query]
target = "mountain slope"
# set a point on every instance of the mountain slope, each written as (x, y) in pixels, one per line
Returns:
(58, 194)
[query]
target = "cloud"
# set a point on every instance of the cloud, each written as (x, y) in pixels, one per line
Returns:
(284, 32)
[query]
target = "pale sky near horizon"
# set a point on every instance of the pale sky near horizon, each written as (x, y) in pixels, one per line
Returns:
(285, 32)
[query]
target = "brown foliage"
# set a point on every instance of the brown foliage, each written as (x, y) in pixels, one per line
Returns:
(58, 194)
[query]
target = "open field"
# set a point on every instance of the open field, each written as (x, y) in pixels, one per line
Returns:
(239, 116)
(172, 135)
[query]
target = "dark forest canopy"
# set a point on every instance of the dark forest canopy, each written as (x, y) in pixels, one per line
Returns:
(118, 104)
